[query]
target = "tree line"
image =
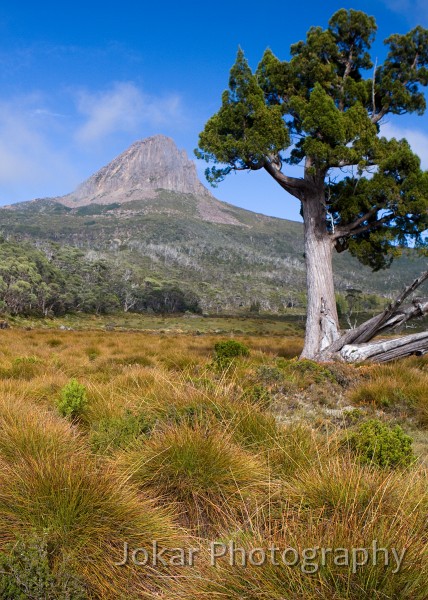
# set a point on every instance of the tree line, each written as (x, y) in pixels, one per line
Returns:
(53, 280)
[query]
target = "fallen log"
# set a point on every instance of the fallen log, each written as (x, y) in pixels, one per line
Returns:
(386, 350)
(353, 345)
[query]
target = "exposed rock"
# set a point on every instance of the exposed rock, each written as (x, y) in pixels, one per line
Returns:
(146, 166)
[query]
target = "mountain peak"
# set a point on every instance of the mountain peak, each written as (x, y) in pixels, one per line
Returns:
(146, 166)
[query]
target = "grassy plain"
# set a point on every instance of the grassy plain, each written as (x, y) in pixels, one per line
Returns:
(171, 445)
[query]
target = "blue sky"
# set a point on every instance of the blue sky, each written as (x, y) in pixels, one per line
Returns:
(81, 81)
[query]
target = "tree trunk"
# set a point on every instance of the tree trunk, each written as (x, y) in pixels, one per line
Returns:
(322, 326)
(323, 340)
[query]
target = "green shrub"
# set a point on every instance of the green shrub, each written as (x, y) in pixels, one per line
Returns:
(257, 394)
(268, 374)
(25, 573)
(72, 400)
(377, 443)
(227, 351)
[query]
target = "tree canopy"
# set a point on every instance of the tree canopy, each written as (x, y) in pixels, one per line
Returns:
(324, 107)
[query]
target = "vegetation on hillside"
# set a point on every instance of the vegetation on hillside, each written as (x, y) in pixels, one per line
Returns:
(166, 241)
(54, 280)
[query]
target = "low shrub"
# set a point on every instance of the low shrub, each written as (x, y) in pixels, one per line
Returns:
(26, 572)
(305, 372)
(72, 400)
(227, 351)
(376, 443)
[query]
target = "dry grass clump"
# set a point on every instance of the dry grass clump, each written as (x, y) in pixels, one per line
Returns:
(341, 485)
(200, 471)
(334, 507)
(166, 447)
(400, 387)
(51, 486)
(285, 448)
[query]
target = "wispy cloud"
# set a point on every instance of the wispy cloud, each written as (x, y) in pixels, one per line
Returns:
(29, 156)
(124, 108)
(414, 11)
(49, 144)
(417, 140)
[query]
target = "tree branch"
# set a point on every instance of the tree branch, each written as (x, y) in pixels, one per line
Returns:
(346, 230)
(293, 185)
(374, 88)
(390, 317)
(387, 350)
(377, 117)
(348, 70)
(363, 229)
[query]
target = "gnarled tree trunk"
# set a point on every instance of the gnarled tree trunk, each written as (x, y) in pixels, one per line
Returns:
(322, 324)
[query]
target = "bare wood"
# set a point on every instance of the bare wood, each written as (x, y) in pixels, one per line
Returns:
(385, 351)
(419, 308)
(385, 320)
(322, 325)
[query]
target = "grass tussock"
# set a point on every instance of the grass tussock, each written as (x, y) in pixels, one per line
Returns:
(209, 479)
(399, 388)
(154, 440)
(52, 488)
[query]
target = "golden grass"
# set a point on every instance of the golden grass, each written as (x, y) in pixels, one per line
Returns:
(401, 387)
(51, 485)
(168, 448)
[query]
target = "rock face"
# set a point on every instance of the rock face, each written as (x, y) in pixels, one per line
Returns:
(148, 165)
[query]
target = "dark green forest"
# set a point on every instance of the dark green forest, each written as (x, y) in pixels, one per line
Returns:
(53, 280)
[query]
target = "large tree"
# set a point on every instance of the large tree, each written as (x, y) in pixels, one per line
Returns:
(359, 192)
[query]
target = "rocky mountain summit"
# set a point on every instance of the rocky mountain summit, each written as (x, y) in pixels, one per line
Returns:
(146, 166)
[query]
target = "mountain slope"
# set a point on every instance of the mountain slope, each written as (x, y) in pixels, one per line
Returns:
(147, 211)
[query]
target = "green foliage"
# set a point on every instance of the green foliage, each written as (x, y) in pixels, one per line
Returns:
(25, 572)
(72, 400)
(227, 351)
(55, 280)
(323, 108)
(211, 248)
(376, 443)
(306, 372)
(245, 129)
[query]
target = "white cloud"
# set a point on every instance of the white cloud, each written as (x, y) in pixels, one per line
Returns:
(123, 109)
(415, 11)
(30, 161)
(418, 140)
(44, 152)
